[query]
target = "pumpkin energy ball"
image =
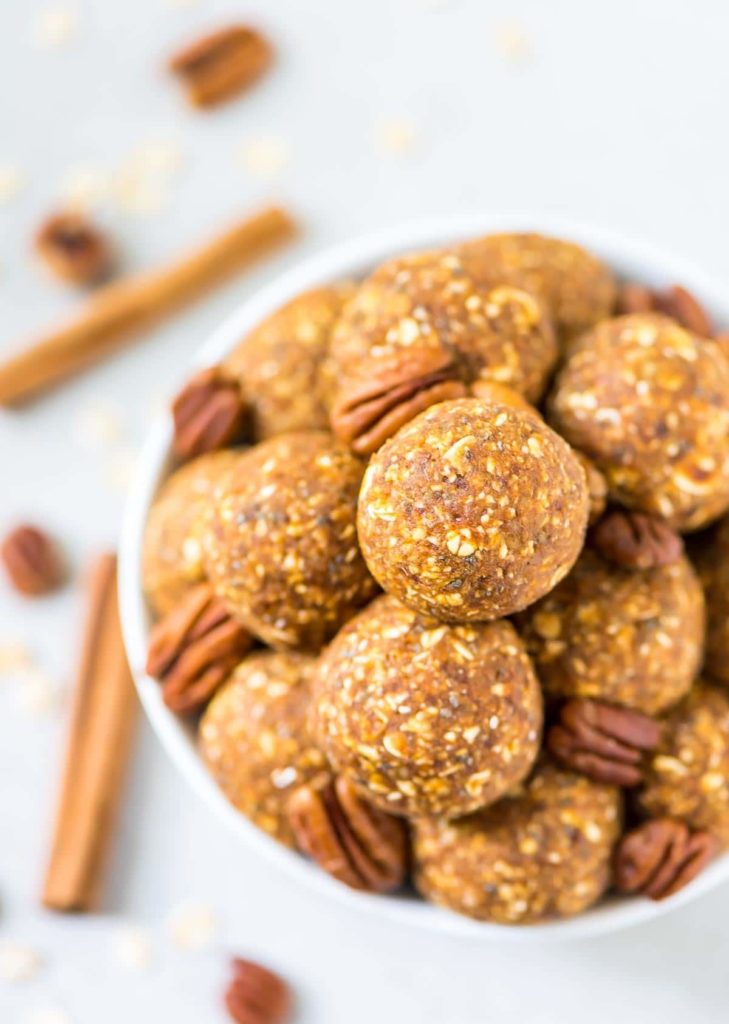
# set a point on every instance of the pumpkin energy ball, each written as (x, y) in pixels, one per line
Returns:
(280, 543)
(712, 560)
(577, 289)
(687, 777)
(541, 853)
(172, 551)
(472, 511)
(427, 718)
(282, 363)
(418, 330)
(628, 637)
(255, 739)
(649, 403)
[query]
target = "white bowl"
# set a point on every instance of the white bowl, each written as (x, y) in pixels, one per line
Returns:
(631, 259)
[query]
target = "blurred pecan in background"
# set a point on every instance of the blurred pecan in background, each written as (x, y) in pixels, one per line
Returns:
(634, 540)
(676, 302)
(660, 857)
(603, 742)
(221, 65)
(32, 560)
(256, 995)
(194, 648)
(209, 413)
(368, 412)
(354, 842)
(74, 249)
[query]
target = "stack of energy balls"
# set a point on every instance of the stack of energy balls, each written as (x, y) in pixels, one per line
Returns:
(421, 579)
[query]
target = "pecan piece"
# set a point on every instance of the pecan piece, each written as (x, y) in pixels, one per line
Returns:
(603, 742)
(194, 648)
(634, 540)
(635, 298)
(676, 302)
(685, 309)
(221, 65)
(660, 857)
(356, 843)
(369, 412)
(209, 413)
(74, 249)
(32, 561)
(256, 995)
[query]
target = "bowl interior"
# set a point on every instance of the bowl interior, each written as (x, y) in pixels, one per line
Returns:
(630, 259)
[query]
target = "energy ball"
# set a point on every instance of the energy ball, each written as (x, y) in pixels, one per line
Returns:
(171, 551)
(623, 636)
(255, 738)
(472, 511)
(649, 403)
(541, 853)
(282, 363)
(280, 542)
(712, 560)
(577, 289)
(426, 309)
(427, 718)
(687, 776)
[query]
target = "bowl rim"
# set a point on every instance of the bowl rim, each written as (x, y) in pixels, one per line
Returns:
(630, 258)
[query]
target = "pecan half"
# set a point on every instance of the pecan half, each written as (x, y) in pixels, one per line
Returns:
(676, 302)
(74, 249)
(256, 995)
(634, 540)
(635, 298)
(685, 309)
(221, 65)
(660, 857)
(194, 648)
(209, 413)
(369, 412)
(603, 742)
(354, 842)
(32, 561)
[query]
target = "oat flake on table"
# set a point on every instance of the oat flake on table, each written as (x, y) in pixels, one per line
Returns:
(513, 42)
(11, 182)
(18, 962)
(132, 948)
(53, 27)
(265, 157)
(397, 137)
(38, 694)
(192, 926)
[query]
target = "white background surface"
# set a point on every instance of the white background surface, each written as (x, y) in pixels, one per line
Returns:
(617, 115)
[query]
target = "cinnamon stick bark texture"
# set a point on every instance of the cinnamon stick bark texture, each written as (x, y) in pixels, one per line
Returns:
(102, 719)
(119, 310)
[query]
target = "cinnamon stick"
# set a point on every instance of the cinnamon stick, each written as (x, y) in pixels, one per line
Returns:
(102, 719)
(118, 310)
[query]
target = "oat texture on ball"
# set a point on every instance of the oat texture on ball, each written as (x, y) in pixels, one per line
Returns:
(171, 550)
(424, 717)
(649, 403)
(543, 852)
(282, 364)
(621, 636)
(256, 741)
(688, 775)
(575, 286)
(280, 543)
(426, 307)
(472, 511)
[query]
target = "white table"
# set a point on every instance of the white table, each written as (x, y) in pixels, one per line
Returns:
(616, 114)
